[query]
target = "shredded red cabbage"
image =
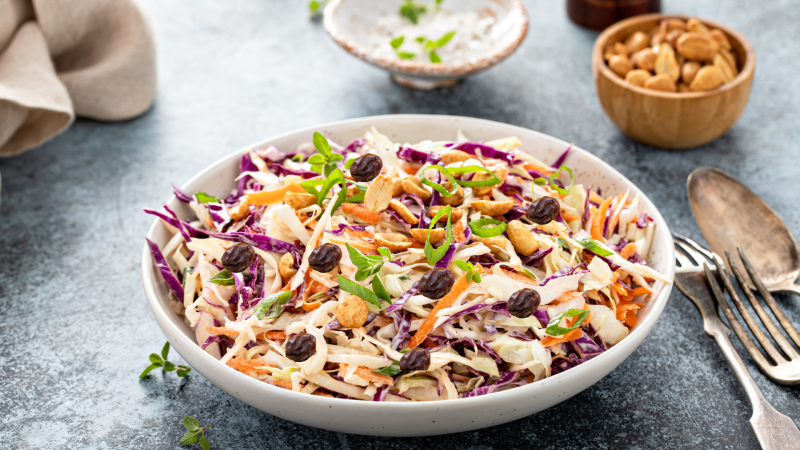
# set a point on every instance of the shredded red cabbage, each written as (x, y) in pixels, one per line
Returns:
(416, 156)
(535, 259)
(560, 161)
(181, 195)
(169, 277)
(486, 151)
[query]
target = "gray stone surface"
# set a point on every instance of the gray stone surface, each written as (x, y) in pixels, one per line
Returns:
(76, 327)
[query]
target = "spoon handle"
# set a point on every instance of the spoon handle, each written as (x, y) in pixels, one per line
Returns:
(788, 287)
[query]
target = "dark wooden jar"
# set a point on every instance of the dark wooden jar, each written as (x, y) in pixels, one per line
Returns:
(600, 14)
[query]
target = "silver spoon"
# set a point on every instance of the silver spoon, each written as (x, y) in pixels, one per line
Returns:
(730, 214)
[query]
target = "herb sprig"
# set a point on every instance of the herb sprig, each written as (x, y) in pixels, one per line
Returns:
(367, 265)
(553, 328)
(223, 278)
(194, 433)
(202, 197)
(472, 273)
(165, 365)
(391, 370)
(325, 163)
(429, 46)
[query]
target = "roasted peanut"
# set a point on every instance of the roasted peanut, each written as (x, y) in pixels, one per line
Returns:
(413, 185)
(672, 37)
(379, 193)
(454, 156)
(724, 67)
(421, 235)
(707, 79)
(666, 62)
(299, 200)
(689, 70)
(696, 26)
(721, 39)
(455, 215)
(637, 77)
(453, 200)
(636, 42)
(240, 211)
(501, 172)
(620, 49)
(521, 238)
(658, 38)
(697, 46)
(398, 207)
(286, 267)
(292, 179)
(493, 208)
(494, 243)
(673, 24)
(662, 82)
(397, 187)
(644, 59)
(683, 87)
(395, 242)
(621, 65)
(352, 312)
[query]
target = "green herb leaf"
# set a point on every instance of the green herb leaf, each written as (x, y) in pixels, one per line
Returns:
(223, 278)
(190, 437)
(411, 10)
(186, 272)
(312, 186)
(321, 144)
(435, 57)
(592, 245)
(316, 158)
(445, 39)
(204, 444)
(553, 329)
(391, 370)
(316, 168)
(313, 7)
(403, 277)
(202, 197)
(168, 366)
(385, 253)
(476, 183)
(478, 230)
(155, 359)
(349, 163)
(444, 192)
(335, 177)
(358, 290)
(356, 256)
(571, 180)
(363, 273)
(397, 42)
(165, 351)
(380, 289)
(406, 55)
(335, 158)
(191, 424)
(357, 198)
(562, 243)
(183, 370)
(149, 369)
(476, 277)
(266, 304)
(463, 265)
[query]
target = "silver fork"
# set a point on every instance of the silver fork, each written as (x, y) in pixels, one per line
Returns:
(693, 277)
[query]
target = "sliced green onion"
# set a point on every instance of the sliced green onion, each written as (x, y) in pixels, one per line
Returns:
(592, 245)
(473, 183)
(358, 290)
(435, 254)
(571, 180)
(223, 278)
(553, 329)
(540, 181)
(478, 230)
(562, 243)
(529, 273)
(277, 299)
(437, 186)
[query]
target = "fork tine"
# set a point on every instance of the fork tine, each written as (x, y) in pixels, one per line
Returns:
(698, 257)
(682, 259)
(773, 330)
(748, 318)
(695, 245)
(773, 305)
(734, 323)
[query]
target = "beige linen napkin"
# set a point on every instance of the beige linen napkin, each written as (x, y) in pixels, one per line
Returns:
(61, 58)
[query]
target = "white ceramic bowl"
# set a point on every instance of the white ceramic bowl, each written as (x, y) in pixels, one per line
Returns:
(349, 23)
(422, 418)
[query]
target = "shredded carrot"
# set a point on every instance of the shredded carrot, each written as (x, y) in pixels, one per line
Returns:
(541, 169)
(282, 384)
(596, 229)
(628, 251)
(563, 298)
(599, 220)
(642, 291)
(367, 375)
(615, 218)
(367, 249)
(593, 197)
(272, 336)
(569, 216)
(361, 213)
(311, 306)
(619, 289)
(314, 287)
(519, 277)
(274, 196)
(458, 232)
(571, 336)
(410, 170)
(624, 307)
(447, 301)
(221, 331)
(631, 320)
(487, 197)
(359, 233)
(249, 365)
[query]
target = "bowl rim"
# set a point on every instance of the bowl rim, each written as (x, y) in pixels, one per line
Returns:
(598, 62)
(421, 68)
(182, 343)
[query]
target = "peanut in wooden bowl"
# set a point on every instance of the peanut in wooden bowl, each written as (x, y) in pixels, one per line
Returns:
(671, 120)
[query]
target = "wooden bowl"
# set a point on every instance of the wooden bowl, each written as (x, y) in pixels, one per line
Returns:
(665, 119)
